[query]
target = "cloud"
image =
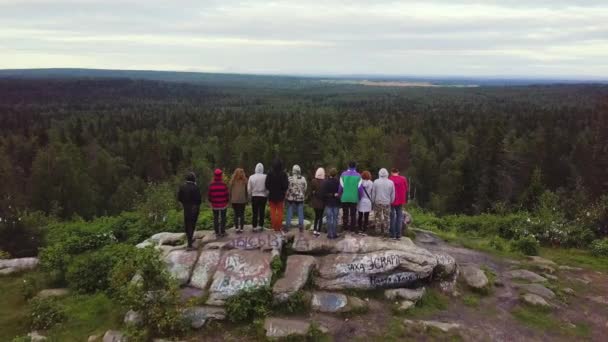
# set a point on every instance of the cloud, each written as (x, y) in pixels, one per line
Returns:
(459, 37)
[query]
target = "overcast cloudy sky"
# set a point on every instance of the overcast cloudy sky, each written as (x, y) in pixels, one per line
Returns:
(556, 38)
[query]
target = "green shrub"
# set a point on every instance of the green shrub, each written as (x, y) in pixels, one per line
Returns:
(4, 255)
(249, 304)
(497, 243)
(22, 339)
(599, 247)
(45, 313)
(90, 272)
(527, 245)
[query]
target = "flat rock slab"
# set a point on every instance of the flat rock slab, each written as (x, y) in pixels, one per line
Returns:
(408, 294)
(114, 336)
(307, 243)
(248, 240)
(536, 289)
(199, 315)
(295, 277)
(329, 302)
(443, 326)
(180, 263)
(368, 282)
(279, 327)
(205, 268)
(47, 293)
(534, 299)
(474, 277)
(526, 275)
(239, 270)
(9, 266)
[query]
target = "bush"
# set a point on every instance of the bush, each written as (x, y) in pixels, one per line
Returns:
(45, 313)
(90, 272)
(22, 234)
(599, 247)
(4, 255)
(249, 304)
(527, 245)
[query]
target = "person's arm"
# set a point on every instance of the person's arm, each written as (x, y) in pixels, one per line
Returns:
(341, 186)
(180, 195)
(248, 186)
(197, 196)
(392, 192)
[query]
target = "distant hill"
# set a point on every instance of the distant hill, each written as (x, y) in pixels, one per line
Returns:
(284, 81)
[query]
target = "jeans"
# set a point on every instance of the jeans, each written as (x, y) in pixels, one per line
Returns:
(363, 221)
(349, 216)
(258, 210)
(239, 215)
(332, 221)
(318, 219)
(190, 218)
(276, 215)
(219, 221)
(396, 221)
(299, 206)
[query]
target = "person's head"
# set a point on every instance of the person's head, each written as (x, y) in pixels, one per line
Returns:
(238, 176)
(217, 174)
(366, 175)
(333, 172)
(320, 174)
(383, 173)
(296, 171)
(352, 164)
(190, 177)
(277, 165)
(395, 171)
(259, 168)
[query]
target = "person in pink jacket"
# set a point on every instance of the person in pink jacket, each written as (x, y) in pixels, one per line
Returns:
(397, 205)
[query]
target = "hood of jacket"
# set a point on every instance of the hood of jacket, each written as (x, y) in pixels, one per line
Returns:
(296, 171)
(277, 166)
(320, 174)
(217, 175)
(259, 168)
(190, 177)
(383, 173)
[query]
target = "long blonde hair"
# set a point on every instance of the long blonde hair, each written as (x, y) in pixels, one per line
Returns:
(238, 176)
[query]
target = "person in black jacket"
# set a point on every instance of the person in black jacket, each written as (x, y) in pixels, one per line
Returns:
(331, 197)
(277, 184)
(189, 196)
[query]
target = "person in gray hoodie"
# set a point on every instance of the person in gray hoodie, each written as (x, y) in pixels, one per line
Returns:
(256, 188)
(383, 195)
(296, 193)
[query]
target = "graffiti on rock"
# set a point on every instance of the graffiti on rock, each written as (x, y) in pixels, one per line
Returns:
(269, 241)
(393, 280)
(374, 264)
(238, 272)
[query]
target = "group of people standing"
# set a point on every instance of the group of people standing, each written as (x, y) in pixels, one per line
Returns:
(352, 191)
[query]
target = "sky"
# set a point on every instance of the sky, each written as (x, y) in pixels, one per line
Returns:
(504, 38)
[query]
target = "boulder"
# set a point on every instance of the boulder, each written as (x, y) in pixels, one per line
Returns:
(199, 315)
(133, 318)
(180, 263)
(599, 299)
(355, 303)
(474, 277)
(265, 240)
(408, 294)
(443, 326)
(94, 338)
(239, 270)
(168, 238)
(446, 265)
(295, 277)
(307, 243)
(568, 290)
(406, 305)
(9, 266)
(550, 276)
(329, 302)
(279, 327)
(47, 293)
(367, 282)
(569, 268)
(536, 289)
(525, 275)
(114, 336)
(533, 299)
(36, 337)
(205, 268)
(416, 260)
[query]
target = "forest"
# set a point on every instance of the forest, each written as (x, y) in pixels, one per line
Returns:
(83, 148)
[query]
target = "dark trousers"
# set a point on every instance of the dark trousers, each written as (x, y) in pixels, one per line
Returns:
(363, 221)
(349, 216)
(258, 208)
(190, 218)
(239, 215)
(219, 221)
(318, 219)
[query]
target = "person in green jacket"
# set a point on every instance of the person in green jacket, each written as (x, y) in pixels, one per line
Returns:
(350, 189)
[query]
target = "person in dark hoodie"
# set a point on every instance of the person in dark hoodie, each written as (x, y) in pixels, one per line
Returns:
(330, 190)
(189, 195)
(277, 184)
(218, 196)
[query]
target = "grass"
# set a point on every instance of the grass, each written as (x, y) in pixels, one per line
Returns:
(542, 319)
(432, 302)
(397, 331)
(13, 310)
(471, 300)
(575, 257)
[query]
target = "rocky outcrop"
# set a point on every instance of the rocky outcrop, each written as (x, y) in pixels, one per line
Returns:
(407, 294)
(474, 277)
(114, 336)
(205, 268)
(180, 263)
(10, 266)
(533, 299)
(526, 275)
(295, 277)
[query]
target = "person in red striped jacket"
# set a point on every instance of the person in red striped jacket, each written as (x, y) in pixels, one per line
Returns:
(218, 196)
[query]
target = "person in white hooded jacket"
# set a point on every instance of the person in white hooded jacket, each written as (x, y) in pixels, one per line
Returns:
(256, 188)
(383, 195)
(296, 193)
